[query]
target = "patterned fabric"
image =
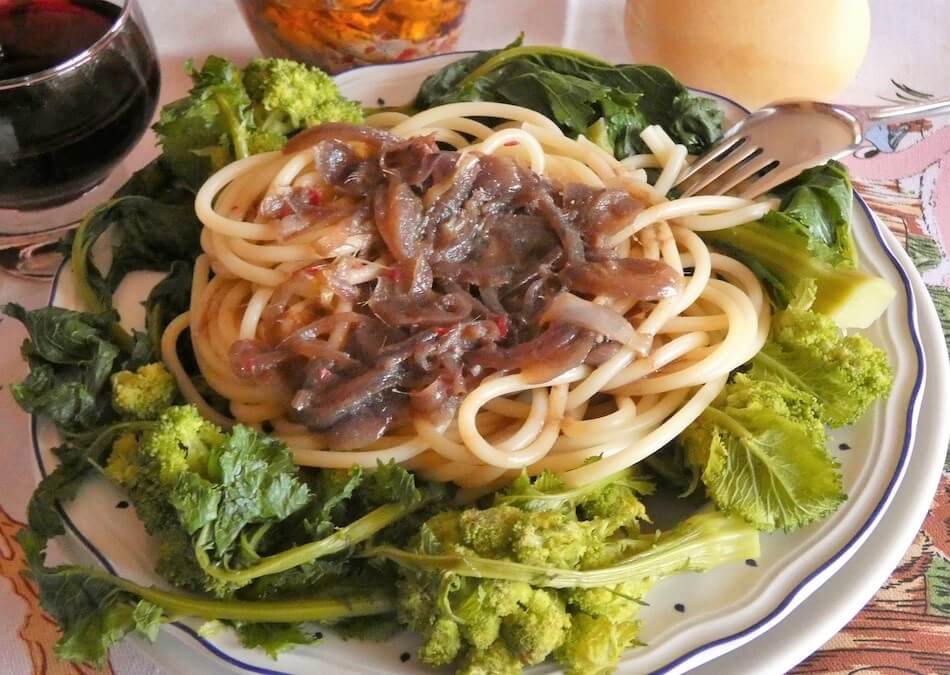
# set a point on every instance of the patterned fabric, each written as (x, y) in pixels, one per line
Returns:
(904, 173)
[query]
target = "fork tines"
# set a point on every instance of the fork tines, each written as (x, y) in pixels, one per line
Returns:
(728, 164)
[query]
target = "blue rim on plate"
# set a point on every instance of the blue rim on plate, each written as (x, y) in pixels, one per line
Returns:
(739, 637)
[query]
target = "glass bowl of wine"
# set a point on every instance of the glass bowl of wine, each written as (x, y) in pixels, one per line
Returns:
(79, 82)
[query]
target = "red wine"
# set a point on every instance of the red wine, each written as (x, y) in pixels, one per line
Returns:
(61, 135)
(45, 33)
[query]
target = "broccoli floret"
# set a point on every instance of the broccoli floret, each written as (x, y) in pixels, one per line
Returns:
(613, 497)
(182, 442)
(417, 601)
(232, 113)
(144, 394)
(496, 659)
(536, 628)
(594, 645)
(177, 563)
(150, 466)
(481, 611)
(618, 603)
(289, 95)
(488, 532)
(807, 350)
(619, 504)
(122, 465)
(555, 539)
(442, 644)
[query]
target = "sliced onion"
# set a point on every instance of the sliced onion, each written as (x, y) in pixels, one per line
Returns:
(569, 308)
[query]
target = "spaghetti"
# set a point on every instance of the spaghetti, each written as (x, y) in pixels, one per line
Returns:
(669, 357)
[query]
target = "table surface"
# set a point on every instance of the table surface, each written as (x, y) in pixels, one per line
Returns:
(904, 173)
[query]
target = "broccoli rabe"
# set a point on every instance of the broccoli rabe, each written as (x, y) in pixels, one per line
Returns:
(846, 374)
(151, 464)
(288, 96)
(593, 646)
(760, 451)
(496, 659)
(232, 113)
(807, 241)
(760, 447)
(505, 587)
(212, 499)
(95, 610)
(143, 394)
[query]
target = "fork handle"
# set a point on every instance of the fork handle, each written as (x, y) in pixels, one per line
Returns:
(903, 113)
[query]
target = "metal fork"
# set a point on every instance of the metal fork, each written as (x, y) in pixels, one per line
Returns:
(778, 142)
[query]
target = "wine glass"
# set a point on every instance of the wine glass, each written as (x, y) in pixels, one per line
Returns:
(79, 83)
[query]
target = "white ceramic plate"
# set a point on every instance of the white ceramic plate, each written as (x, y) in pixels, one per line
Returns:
(691, 619)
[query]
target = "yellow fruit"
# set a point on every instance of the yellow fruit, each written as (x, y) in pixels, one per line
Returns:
(755, 51)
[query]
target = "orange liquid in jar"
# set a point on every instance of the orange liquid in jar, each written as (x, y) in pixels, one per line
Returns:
(339, 34)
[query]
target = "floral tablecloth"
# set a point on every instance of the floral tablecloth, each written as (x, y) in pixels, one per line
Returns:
(903, 173)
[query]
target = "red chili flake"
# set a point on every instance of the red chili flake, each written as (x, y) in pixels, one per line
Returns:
(441, 330)
(313, 197)
(285, 210)
(502, 322)
(312, 270)
(406, 54)
(511, 144)
(393, 273)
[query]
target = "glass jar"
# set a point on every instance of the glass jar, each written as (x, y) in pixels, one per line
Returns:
(339, 34)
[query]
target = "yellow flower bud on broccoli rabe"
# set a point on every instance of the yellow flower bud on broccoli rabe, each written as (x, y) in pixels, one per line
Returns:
(143, 394)
(122, 466)
(496, 659)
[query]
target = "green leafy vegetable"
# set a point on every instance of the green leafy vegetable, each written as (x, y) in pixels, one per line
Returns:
(845, 374)
(509, 585)
(168, 299)
(230, 114)
(205, 130)
(146, 235)
(807, 243)
(274, 638)
(761, 451)
(214, 497)
(95, 610)
(71, 357)
(578, 91)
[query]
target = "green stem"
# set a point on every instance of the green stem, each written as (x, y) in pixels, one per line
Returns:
(700, 542)
(551, 501)
(96, 443)
(273, 611)
(235, 130)
(727, 422)
(778, 368)
(79, 261)
(342, 539)
(503, 57)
